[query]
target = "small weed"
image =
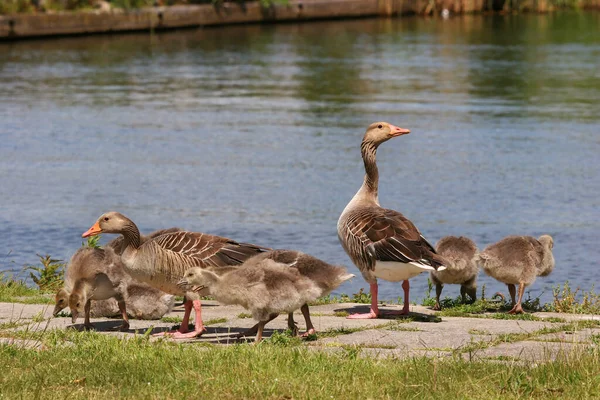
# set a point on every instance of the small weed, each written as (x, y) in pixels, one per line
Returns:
(567, 300)
(478, 332)
(284, 338)
(244, 315)
(92, 241)
(342, 314)
(172, 320)
(215, 321)
(50, 275)
(39, 317)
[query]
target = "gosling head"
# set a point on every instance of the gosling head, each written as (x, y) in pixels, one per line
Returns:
(76, 304)
(110, 222)
(546, 241)
(61, 300)
(194, 279)
(379, 132)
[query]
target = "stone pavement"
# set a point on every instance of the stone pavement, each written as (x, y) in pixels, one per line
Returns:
(422, 333)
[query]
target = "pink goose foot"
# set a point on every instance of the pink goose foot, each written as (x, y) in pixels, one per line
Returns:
(184, 330)
(374, 311)
(308, 333)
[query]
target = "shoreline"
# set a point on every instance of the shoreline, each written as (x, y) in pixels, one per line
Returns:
(71, 23)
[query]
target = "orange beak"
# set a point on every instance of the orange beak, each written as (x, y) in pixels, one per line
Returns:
(94, 230)
(396, 131)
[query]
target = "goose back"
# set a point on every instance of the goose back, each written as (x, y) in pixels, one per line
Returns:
(162, 261)
(326, 276)
(516, 259)
(460, 255)
(371, 234)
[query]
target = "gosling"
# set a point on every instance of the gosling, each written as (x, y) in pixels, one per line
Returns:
(265, 289)
(518, 260)
(461, 267)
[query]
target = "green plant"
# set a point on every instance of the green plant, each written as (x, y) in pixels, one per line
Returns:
(92, 241)
(567, 300)
(50, 275)
(361, 297)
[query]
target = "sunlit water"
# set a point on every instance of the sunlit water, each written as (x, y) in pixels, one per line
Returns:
(253, 133)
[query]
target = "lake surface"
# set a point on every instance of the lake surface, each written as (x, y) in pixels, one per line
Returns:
(253, 132)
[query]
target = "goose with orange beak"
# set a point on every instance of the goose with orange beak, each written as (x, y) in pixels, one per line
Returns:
(162, 261)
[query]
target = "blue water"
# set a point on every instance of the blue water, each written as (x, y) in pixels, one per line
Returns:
(253, 132)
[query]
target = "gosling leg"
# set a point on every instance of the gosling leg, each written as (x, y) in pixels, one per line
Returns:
(518, 309)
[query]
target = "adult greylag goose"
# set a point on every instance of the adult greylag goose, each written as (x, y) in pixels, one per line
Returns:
(264, 287)
(381, 242)
(461, 267)
(162, 261)
(324, 275)
(518, 260)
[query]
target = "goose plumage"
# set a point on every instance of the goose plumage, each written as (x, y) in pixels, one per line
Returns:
(323, 274)
(162, 261)
(265, 287)
(140, 297)
(461, 268)
(518, 260)
(382, 242)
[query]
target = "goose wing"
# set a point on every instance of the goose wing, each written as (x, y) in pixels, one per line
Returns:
(210, 250)
(386, 235)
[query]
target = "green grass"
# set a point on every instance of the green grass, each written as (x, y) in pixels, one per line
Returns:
(98, 366)
(172, 320)
(244, 315)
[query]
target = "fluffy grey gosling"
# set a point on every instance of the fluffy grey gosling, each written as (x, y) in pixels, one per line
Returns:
(518, 260)
(265, 289)
(461, 267)
(320, 272)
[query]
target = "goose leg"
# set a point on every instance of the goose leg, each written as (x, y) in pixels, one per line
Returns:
(310, 329)
(512, 291)
(254, 329)
(199, 328)
(259, 333)
(87, 309)
(123, 309)
(438, 293)
(406, 309)
(292, 324)
(374, 312)
(518, 309)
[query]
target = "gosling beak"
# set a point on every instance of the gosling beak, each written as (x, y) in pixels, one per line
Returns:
(197, 289)
(396, 131)
(57, 309)
(73, 316)
(183, 283)
(94, 230)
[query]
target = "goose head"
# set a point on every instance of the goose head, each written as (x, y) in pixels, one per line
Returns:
(61, 301)
(546, 241)
(379, 132)
(110, 222)
(196, 279)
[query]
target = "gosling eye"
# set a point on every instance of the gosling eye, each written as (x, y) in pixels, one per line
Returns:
(106, 218)
(78, 304)
(380, 126)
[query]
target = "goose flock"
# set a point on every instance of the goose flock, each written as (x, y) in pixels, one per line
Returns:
(144, 273)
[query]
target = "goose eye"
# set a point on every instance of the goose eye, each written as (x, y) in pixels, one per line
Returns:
(380, 126)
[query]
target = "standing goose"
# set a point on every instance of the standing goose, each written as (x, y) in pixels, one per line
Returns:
(518, 260)
(162, 261)
(381, 242)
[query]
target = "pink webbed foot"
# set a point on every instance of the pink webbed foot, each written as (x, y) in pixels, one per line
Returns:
(189, 335)
(308, 333)
(369, 315)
